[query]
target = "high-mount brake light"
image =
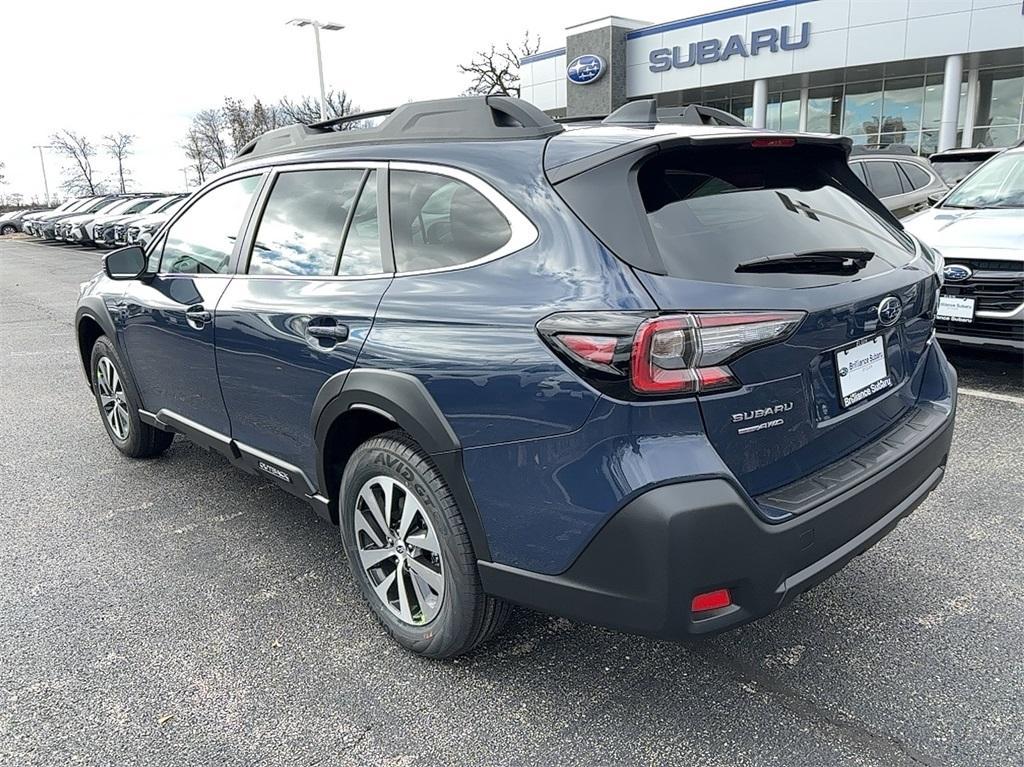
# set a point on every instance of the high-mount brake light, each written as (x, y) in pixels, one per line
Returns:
(768, 143)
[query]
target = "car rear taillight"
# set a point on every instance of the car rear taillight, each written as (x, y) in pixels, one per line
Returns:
(662, 355)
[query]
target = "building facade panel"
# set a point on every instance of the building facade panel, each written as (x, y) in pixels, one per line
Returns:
(876, 70)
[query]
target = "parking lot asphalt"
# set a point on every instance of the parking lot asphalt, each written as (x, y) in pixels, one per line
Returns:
(176, 611)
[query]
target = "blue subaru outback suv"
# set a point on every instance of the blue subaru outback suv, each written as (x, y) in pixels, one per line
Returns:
(657, 372)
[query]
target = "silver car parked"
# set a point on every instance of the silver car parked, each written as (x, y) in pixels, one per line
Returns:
(978, 228)
(903, 181)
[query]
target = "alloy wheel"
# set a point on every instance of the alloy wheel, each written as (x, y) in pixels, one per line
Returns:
(399, 551)
(113, 400)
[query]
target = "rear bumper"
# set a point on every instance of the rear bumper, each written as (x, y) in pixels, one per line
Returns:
(643, 568)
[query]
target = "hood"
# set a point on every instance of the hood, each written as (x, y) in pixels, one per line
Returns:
(988, 232)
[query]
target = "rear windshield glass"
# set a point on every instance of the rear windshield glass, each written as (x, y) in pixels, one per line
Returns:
(711, 209)
(953, 171)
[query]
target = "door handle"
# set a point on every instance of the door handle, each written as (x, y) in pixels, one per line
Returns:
(197, 317)
(328, 332)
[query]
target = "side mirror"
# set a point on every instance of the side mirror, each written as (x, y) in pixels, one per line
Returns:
(936, 197)
(125, 264)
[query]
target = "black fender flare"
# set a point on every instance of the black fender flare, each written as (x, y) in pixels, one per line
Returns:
(403, 399)
(93, 308)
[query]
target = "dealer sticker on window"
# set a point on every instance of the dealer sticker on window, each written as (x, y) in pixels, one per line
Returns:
(862, 371)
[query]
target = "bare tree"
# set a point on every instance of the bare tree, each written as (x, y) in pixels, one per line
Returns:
(307, 110)
(119, 146)
(497, 70)
(79, 174)
(210, 126)
(193, 146)
(3, 178)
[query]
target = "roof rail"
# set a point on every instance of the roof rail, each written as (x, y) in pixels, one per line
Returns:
(467, 118)
(647, 112)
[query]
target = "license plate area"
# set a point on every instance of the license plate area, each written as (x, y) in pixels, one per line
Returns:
(955, 309)
(862, 371)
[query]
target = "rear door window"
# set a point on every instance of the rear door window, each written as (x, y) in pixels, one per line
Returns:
(303, 223)
(710, 209)
(917, 176)
(885, 178)
(858, 170)
(438, 221)
(361, 253)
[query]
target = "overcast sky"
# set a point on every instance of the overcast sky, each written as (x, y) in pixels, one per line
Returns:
(147, 67)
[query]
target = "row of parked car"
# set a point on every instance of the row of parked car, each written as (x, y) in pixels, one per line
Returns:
(103, 221)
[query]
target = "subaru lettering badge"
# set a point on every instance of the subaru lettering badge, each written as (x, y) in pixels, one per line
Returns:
(889, 311)
(956, 272)
(585, 69)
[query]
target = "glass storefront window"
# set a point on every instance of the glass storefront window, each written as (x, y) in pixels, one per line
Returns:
(790, 111)
(901, 106)
(862, 108)
(783, 111)
(1000, 106)
(824, 109)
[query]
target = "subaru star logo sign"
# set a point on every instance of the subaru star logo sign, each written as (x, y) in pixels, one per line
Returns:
(889, 311)
(956, 273)
(585, 69)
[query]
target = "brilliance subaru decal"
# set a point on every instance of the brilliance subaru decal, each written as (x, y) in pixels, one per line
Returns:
(585, 69)
(956, 273)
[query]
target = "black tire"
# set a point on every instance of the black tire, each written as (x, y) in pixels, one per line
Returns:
(467, 616)
(8, 229)
(141, 440)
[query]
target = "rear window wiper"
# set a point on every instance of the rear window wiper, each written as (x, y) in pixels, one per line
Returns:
(832, 261)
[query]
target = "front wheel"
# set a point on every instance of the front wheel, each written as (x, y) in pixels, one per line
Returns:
(409, 551)
(119, 407)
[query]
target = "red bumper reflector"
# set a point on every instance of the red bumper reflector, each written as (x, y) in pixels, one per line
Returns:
(711, 600)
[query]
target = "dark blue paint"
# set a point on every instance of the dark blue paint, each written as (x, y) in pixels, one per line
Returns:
(271, 369)
(548, 459)
(174, 363)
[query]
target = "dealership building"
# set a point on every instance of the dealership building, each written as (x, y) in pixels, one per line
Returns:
(934, 74)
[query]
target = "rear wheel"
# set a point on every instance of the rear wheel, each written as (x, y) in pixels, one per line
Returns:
(8, 229)
(409, 551)
(119, 406)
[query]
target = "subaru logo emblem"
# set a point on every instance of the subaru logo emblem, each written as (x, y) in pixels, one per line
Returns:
(890, 311)
(585, 69)
(956, 273)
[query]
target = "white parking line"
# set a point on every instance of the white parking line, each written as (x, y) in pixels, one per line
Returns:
(992, 395)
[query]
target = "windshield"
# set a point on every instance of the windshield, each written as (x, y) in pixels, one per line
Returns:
(999, 184)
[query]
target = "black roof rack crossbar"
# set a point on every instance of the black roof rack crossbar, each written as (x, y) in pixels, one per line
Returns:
(647, 112)
(351, 118)
(467, 118)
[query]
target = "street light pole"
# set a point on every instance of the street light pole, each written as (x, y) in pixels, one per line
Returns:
(317, 26)
(42, 164)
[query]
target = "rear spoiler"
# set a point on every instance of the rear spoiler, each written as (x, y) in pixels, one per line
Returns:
(743, 136)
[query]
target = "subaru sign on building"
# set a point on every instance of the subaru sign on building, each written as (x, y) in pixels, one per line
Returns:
(585, 69)
(933, 74)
